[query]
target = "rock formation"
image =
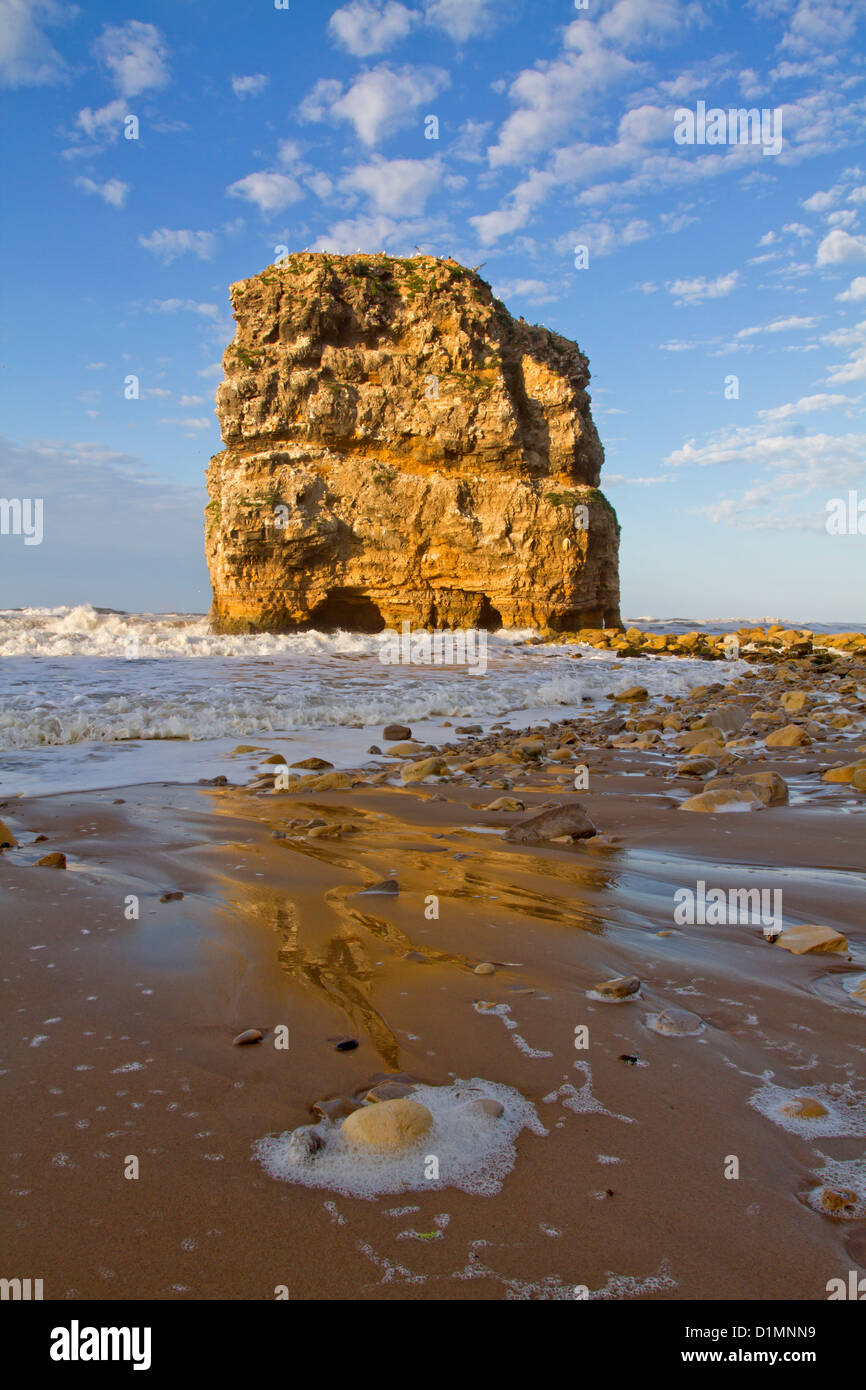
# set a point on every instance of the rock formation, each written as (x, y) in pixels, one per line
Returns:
(398, 447)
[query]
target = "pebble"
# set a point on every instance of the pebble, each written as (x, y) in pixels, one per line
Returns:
(304, 1144)
(634, 693)
(335, 1109)
(483, 1105)
(506, 803)
(428, 767)
(802, 940)
(768, 787)
(7, 839)
(677, 1023)
(249, 1035)
(792, 736)
(723, 799)
(389, 1090)
(314, 764)
(52, 861)
(485, 968)
(394, 733)
(804, 1108)
(388, 887)
(173, 897)
(620, 987)
(342, 1043)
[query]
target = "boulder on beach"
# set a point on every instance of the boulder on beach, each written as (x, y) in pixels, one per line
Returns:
(7, 839)
(389, 1126)
(805, 939)
(550, 825)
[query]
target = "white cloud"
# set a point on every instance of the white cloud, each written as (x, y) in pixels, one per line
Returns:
(783, 325)
(269, 192)
(191, 400)
(366, 27)
(533, 291)
(27, 56)
(696, 290)
(168, 243)
(374, 233)
(135, 55)
(820, 24)
(197, 423)
(462, 19)
(250, 86)
(820, 202)
(379, 102)
(105, 123)
(806, 405)
(839, 246)
(113, 191)
(175, 306)
(399, 187)
(855, 291)
(551, 95)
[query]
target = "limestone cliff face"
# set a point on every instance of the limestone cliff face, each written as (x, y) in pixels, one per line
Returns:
(397, 446)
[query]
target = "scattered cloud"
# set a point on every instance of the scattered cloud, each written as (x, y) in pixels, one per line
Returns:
(397, 187)
(168, 243)
(807, 405)
(176, 306)
(27, 56)
(839, 247)
(696, 290)
(365, 27)
(378, 103)
(135, 55)
(251, 86)
(855, 291)
(113, 191)
(782, 325)
(269, 192)
(533, 291)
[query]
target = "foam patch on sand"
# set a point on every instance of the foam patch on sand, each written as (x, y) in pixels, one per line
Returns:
(843, 1178)
(475, 1153)
(845, 1109)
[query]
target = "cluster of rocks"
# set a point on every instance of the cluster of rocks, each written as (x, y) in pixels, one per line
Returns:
(751, 644)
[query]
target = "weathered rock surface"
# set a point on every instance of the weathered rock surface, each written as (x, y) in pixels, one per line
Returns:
(388, 1126)
(398, 447)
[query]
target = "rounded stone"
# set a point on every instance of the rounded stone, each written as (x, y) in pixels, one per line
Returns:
(390, 1126)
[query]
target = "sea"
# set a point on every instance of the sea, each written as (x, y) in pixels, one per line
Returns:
(95, 698)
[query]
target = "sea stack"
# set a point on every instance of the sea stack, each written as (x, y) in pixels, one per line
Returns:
(399, 448)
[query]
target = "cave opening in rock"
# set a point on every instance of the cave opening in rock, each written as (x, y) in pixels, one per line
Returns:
(349, 609)
(489, 618)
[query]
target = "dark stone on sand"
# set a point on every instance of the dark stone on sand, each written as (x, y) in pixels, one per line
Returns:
(121, 801)
(314, 764)
(172, 897)
(343, 1043)
(335, 1109)
(39, 839)
(415, 956)
(469, 729)
(395, 733)
(249, 1035)
(52, 861)
(550, 825)
(389, 887)
(374, 748)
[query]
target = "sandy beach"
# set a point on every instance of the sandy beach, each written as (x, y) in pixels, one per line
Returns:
(119, 1028)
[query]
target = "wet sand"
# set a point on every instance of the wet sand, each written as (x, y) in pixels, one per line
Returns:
(118, 1033)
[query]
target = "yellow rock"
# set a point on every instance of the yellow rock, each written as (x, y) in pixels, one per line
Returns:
(326, 782)
(768, 787)
(634, 693)
(804, 1108)
(723, 799)
(842, 774)
(795, 701)
(7, 839)
(390, 1126)
(428, 767)
(802, 940)
(792, 736)
(859, 780)
(707, 748)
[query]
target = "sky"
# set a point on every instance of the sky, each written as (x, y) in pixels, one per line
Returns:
(153, 153)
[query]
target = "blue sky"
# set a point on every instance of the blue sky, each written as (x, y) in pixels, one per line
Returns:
(307, 127)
